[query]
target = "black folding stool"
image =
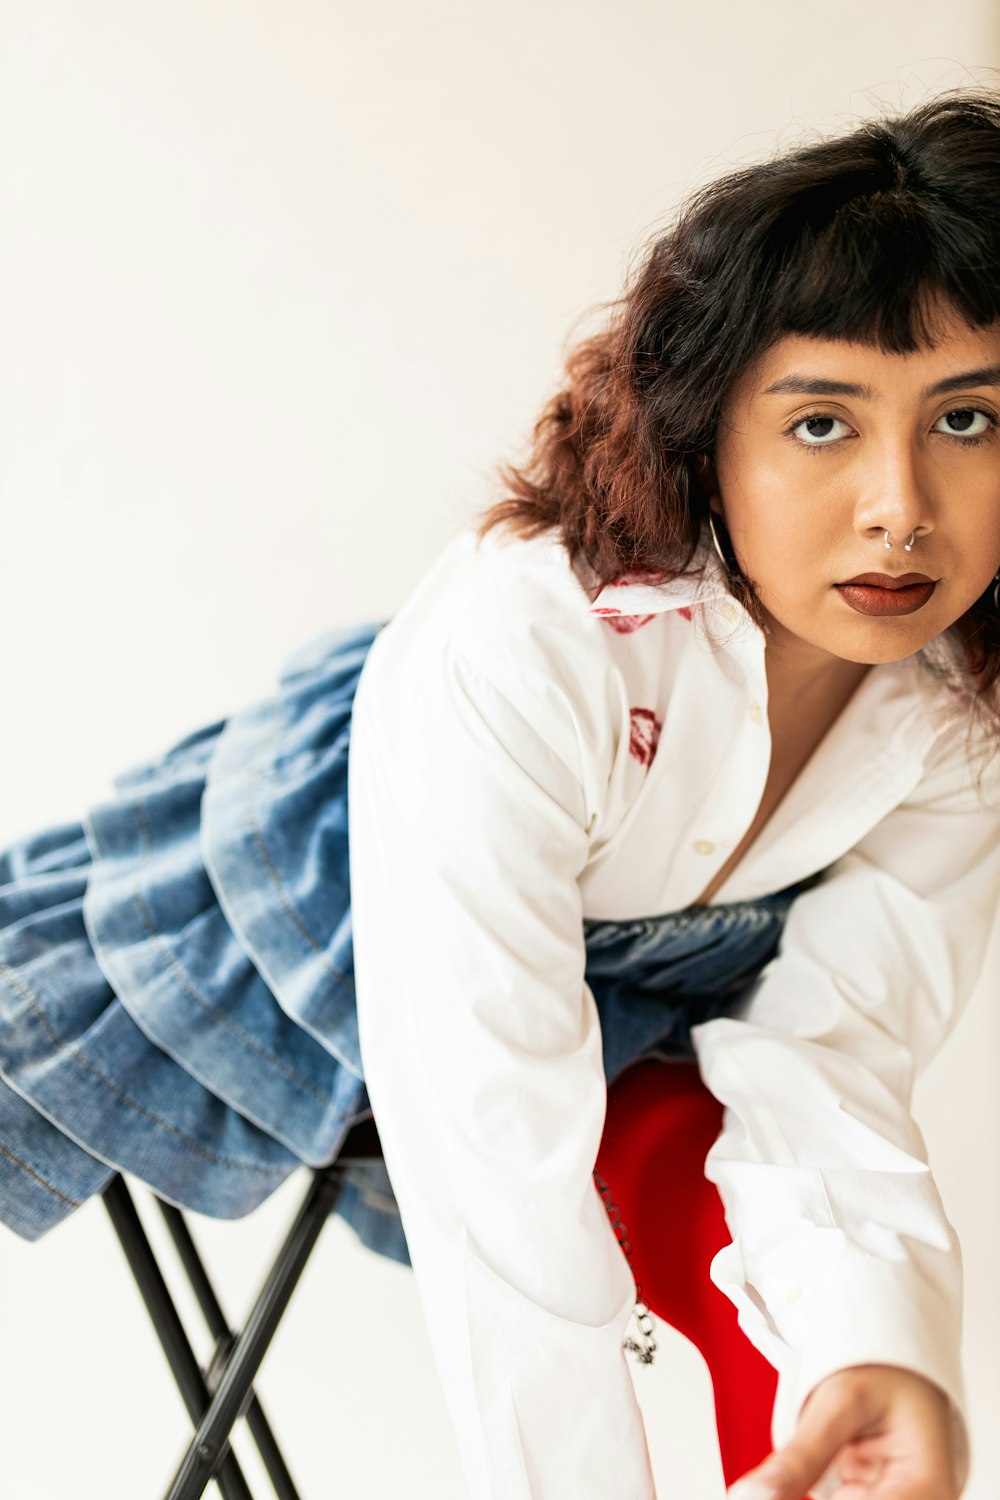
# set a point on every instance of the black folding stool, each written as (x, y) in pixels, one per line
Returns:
(216, 1396)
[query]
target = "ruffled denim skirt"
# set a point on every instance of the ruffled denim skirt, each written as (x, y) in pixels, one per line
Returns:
(176, 972)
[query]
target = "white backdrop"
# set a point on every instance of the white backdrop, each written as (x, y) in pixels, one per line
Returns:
(279, 284)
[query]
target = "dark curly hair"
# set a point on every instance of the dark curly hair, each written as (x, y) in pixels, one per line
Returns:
(851, 238)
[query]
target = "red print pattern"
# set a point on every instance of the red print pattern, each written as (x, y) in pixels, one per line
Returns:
(624, 624)
(645, 735)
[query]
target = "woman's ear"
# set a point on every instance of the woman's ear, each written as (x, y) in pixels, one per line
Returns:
(705, 470)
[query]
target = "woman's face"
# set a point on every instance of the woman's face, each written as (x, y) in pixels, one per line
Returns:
(826, 446)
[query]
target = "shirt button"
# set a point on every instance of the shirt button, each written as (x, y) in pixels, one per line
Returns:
(729, 611)
(793, 1294)
(756, 713)
(703, 846)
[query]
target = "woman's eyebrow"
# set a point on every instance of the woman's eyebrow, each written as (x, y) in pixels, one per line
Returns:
(988, 375)
(815, 385)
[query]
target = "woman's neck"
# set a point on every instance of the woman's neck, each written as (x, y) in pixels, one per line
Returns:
(807, 692)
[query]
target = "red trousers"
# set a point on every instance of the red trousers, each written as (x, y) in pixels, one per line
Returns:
(660, 1124)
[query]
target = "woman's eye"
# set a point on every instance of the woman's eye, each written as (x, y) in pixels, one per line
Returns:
(817, 431)
(964, 421)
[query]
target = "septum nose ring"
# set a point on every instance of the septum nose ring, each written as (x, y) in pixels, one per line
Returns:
(907, 546)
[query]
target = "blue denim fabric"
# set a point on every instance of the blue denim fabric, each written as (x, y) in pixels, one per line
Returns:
(654, 978)
(176, 972)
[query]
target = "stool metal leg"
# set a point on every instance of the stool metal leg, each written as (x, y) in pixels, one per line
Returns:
(225, 1339)
(180, 1356)
(202, 1458)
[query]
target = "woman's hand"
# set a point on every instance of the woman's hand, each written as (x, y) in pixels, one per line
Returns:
(886, 1432)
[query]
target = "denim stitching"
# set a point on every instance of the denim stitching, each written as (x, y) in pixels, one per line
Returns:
(173, 962)
(272, 870)
(71, 1202)
(139, 1109)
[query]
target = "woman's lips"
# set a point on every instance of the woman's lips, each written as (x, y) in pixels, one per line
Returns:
(880, 594)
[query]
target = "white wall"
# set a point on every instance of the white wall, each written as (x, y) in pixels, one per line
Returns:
(279, 283)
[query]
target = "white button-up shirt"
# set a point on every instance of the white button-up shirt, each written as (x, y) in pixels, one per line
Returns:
(528, 751)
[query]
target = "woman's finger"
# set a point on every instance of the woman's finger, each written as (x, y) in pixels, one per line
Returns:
(880, 1424)
(828, 1421)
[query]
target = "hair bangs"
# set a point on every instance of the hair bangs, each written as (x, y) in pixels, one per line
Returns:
(880, 271)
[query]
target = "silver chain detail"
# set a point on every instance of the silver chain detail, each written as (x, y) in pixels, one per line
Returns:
(644, 1320)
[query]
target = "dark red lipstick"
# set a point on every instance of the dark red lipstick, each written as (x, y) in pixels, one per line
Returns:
(882, 594)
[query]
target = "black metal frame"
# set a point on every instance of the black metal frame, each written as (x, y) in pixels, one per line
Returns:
(219, 1394)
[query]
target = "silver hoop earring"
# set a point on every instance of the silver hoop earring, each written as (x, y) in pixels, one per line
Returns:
(996, 593)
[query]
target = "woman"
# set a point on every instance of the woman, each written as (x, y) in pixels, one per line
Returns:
(688, 753)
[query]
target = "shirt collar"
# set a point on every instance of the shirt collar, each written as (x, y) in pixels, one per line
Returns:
(645, 593)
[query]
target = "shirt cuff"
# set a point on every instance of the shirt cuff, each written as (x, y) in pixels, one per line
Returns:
(864, 1311)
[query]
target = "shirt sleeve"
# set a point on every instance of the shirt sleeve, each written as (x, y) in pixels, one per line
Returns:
(842, 1254)
(482, 1056)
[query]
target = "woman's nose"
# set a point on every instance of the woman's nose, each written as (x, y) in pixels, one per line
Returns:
(897, 502)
